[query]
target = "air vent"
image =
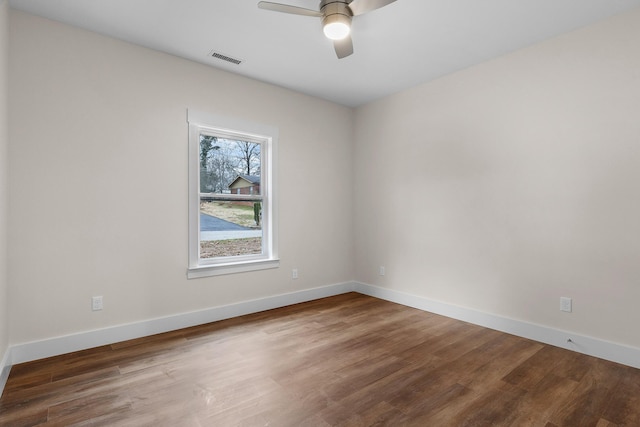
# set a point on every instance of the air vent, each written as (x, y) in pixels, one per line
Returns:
(223, 57)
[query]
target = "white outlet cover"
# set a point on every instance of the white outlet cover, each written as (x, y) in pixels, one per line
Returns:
(96, 303)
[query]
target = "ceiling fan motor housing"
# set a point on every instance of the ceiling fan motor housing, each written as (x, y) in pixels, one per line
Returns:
(335, 12)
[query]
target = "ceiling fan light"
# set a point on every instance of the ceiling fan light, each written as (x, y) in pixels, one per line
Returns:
(337, 26)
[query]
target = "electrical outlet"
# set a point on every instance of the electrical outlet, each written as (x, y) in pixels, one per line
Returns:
(96, 303)
(382, 270)
(565, 304)
(294, 273)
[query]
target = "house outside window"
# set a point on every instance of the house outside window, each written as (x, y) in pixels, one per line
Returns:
(246, 184)
(232, 209)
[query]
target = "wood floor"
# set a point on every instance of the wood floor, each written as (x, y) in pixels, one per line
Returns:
(349, 360)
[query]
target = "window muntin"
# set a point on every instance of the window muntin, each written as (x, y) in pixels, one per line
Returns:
(232, 223)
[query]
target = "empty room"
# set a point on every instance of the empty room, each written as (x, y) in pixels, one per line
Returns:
(320, 213)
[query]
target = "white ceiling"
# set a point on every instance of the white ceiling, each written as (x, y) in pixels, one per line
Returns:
(399, 46)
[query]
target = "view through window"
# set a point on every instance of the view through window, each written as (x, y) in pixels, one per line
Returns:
(230, 197)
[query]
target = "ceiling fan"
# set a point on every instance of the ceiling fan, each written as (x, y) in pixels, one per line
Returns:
(336, 18)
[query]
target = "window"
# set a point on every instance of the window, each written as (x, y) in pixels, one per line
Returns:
(232, 209)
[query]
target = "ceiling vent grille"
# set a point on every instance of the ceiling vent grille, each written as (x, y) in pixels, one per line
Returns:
(223, 57)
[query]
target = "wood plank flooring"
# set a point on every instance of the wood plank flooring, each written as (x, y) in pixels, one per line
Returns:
(349, 360)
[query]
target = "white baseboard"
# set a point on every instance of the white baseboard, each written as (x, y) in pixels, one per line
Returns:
(602, 349)
(5, 368)
(60, 345)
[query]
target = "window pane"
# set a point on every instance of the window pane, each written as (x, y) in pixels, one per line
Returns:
(229, 166)
(229, 227)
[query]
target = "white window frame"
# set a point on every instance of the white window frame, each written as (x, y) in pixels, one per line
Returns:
(239, 129)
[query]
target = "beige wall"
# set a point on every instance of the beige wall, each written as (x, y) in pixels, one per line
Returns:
(4, 166)
(524, 169)
(525, 175)
(99, 182)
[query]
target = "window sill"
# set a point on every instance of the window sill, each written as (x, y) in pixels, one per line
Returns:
(231, 268)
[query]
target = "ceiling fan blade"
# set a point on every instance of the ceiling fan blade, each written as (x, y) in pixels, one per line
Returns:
(343, 47)
(358, 7)
(286, 8)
